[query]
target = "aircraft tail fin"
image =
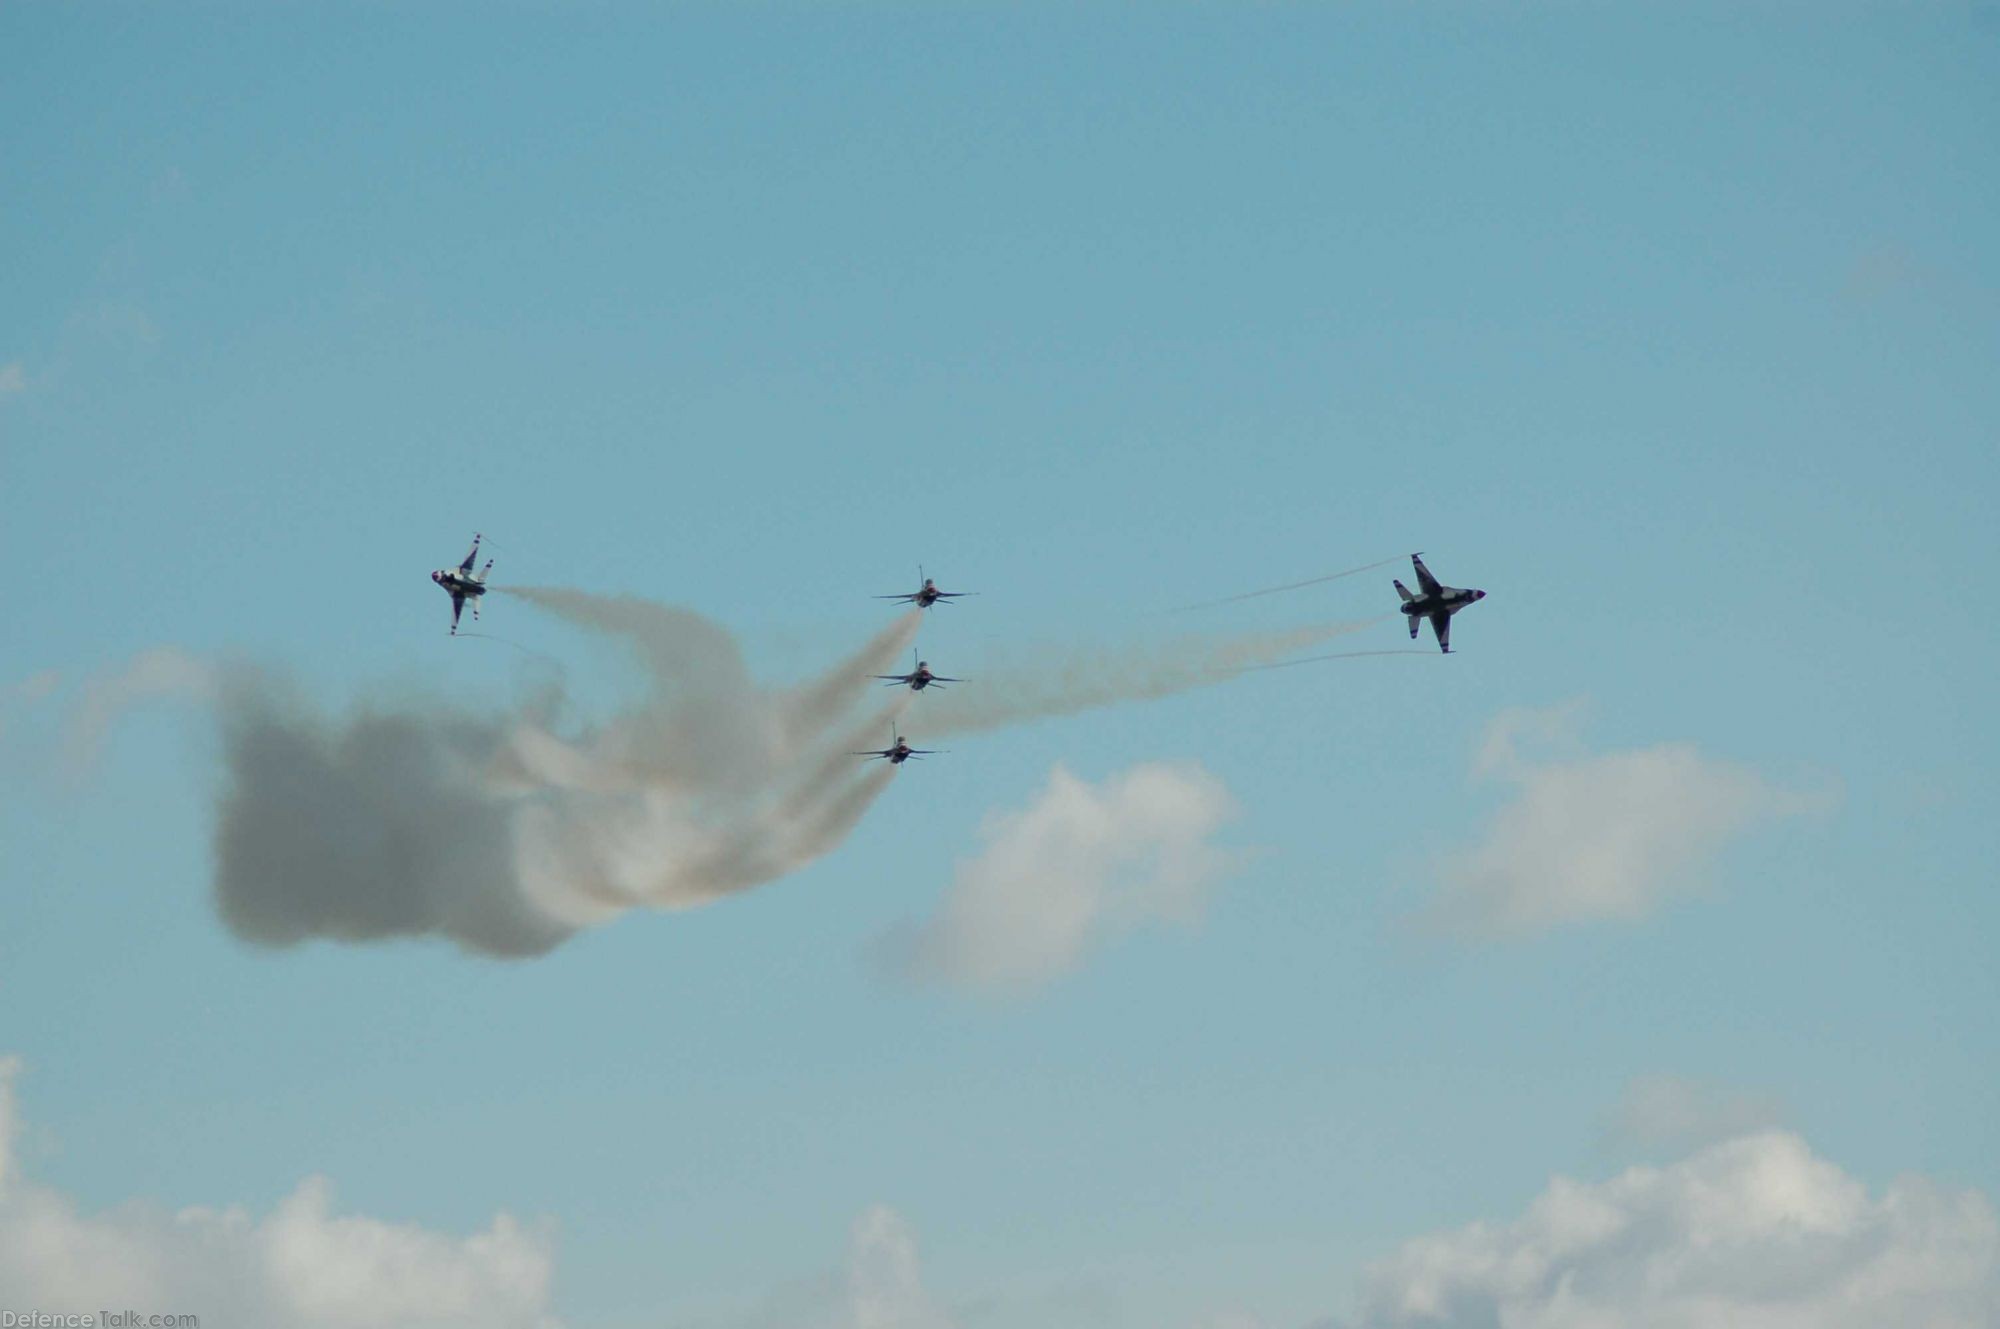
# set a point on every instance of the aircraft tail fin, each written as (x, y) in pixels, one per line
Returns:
(1416, 625)
(1404, 591)
(489, 567)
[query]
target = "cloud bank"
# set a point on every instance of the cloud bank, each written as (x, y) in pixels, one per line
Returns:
(1081, 864)
(1754, 1233)
(1593, 837)
(301, 1266)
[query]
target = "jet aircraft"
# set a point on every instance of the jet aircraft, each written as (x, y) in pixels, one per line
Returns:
(1437, 603)
(463, 585)
(898, 752)
(925, 595)
(919, 678)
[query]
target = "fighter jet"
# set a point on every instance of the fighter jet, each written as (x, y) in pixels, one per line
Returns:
(925, 595)
(1438, 603)
(919, 678)
(898, 752)
(462, 584)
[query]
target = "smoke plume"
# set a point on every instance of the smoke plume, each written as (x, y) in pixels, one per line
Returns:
(508, 832)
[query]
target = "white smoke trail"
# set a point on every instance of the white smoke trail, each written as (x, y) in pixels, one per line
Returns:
(506, 833)
(1067, 682)
(1337, 655)
(1288, 586)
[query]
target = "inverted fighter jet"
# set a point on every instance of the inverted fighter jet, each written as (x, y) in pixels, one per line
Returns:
(925, 595)
(919, 678)
(1438, 603)
(463, 585)
(898, 752)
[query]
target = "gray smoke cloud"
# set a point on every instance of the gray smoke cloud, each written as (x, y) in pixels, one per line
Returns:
(1066, 681)
(509, 832)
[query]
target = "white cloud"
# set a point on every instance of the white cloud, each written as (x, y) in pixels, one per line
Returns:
(885, 1287)
(1671, 1113)
(1754, 1233)
(302, 1266)
(13, 378)
(879, 1286)
(1080, 864)
(1587, 837)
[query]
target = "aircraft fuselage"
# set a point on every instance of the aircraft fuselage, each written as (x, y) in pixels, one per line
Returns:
(457, 583)
(1449, 599)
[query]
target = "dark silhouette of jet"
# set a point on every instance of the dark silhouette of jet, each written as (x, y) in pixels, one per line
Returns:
(919, 678)
(925, 595)
(898, 752)
(1437, 603)
(463, 585)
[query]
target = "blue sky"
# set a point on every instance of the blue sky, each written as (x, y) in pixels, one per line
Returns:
(1672, 327)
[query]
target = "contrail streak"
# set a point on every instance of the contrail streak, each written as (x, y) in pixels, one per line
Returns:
(1289, 586)
(1313, 659)
(1068, 682)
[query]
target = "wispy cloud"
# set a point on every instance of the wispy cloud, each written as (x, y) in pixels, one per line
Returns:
(300, 1266)
(885, 1286)
(880, 1285)
(1672, 1113)
(156, 674)
(1081, 864)
(26, 694)
(1595, 836)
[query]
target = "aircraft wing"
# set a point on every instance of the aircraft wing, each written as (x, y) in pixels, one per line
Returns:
(1441, 624)
(1430, 584)
(466, 565)
(892, 597)
(457, 608)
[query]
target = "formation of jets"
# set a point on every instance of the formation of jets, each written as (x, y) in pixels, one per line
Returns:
(919, 678)
(1434, 601)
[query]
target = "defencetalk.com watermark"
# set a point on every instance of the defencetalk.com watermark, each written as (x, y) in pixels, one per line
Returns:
(95, 1320)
